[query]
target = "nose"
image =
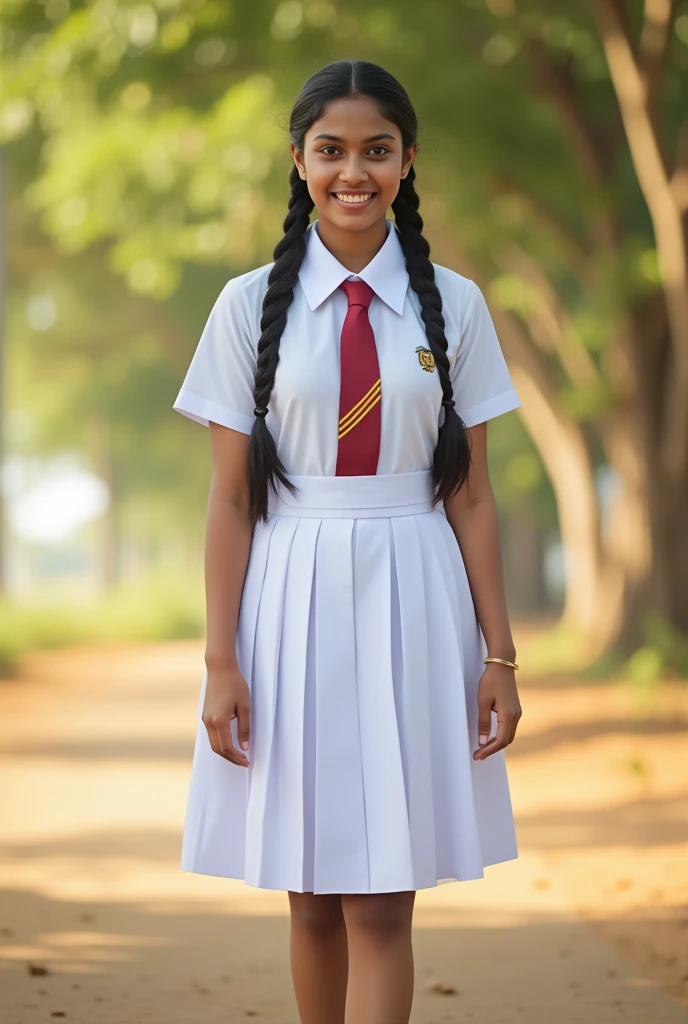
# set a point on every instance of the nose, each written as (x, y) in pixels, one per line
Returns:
(353, 172)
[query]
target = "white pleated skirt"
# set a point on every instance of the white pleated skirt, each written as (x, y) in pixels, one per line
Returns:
(358, 639)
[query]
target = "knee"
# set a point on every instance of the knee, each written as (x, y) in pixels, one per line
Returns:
(320, 915)
(378, 914)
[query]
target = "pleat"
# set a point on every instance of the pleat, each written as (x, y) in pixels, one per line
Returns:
(215, 819)
(307, 877)
(359, 642)
(413, 694)
(390, 864)
(247, 623)
(490, 782)
(470, 636)
(340, 854)
(459, 852)
(266, 660)
(284, 817)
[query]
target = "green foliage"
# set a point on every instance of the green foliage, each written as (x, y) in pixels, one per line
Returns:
(148, 159)
(645, 666)
(665, 647)
(609, 665)
(663, 653)
(552, 651)
(161, 607)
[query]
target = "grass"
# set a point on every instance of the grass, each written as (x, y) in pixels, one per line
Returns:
(168, 606)
(157, 608)
(556, 649)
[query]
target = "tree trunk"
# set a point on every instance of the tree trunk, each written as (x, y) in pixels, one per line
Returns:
(636, 559)
(634, 98)
(593, 605)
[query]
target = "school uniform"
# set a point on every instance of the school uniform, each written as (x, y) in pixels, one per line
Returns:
(357, 634)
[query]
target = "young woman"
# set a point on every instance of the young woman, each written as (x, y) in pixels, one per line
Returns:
(350, 733)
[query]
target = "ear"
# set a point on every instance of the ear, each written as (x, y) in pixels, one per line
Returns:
(409, 155)
(297, 160)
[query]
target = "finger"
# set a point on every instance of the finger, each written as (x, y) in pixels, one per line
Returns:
(514, 726)
(227, 748)
(243, 725)
(500, 740)
(213, 738)
(484, 719)
(490, 748)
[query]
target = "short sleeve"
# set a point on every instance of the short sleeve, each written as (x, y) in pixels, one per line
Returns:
(482, 384)
(219, 382)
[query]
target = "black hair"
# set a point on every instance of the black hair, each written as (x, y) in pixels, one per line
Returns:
(344, 78)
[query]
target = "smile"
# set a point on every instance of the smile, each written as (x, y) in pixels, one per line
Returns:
(354, 199)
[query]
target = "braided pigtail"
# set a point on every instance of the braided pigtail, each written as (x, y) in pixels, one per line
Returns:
(336, 80)
(452, 454)
(264, 464)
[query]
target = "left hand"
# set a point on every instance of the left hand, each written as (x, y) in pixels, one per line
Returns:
(497, 692)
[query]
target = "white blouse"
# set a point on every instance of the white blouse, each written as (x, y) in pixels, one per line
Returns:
(304, 404)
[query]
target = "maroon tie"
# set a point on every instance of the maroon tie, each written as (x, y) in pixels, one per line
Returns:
(359, 398)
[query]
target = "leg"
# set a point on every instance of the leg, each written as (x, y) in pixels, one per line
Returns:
(319, 957)
(378, 925)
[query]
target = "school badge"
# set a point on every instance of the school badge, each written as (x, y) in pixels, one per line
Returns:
(426, 358)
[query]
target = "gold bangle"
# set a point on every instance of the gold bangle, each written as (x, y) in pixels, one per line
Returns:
(502, 661)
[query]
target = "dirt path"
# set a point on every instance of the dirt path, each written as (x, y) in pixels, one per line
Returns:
(589, 924)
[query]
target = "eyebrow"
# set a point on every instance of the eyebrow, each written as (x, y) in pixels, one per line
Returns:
(338, 138)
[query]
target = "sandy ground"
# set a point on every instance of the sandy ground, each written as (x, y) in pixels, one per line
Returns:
(98, 922)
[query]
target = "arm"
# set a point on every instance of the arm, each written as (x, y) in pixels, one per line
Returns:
(228, 543)
(472, 515)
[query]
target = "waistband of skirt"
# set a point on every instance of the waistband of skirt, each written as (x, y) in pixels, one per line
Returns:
(354, 497)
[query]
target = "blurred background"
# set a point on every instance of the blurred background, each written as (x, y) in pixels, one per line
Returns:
(144, 160)
(145, 153)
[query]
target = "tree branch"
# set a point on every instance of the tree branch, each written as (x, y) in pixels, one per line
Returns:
(631, 92)
(580, 254)
(669, 230)
(679, 179)
(654, 38)
(551, 324)
(593, 154)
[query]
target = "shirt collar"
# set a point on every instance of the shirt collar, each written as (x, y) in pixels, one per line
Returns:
(321, 272)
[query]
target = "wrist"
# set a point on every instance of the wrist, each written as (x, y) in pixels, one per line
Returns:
(504, 651)
(220, 660)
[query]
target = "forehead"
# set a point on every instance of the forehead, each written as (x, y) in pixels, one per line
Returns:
(352, 119)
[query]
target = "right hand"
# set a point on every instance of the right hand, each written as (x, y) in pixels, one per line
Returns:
(227, 696)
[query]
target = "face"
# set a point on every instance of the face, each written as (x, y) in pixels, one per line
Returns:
(353, 152)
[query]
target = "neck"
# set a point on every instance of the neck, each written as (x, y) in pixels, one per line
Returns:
(353, 249)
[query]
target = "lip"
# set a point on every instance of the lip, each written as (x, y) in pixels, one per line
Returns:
(354, 206)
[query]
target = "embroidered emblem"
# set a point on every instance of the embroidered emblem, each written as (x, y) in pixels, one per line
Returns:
(426, 358)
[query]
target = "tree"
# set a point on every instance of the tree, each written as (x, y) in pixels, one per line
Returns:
(552, 170)
(589, 291)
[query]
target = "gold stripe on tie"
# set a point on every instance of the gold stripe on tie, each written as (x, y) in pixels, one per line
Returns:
(352, 412)
(360, 409)
(361, 414)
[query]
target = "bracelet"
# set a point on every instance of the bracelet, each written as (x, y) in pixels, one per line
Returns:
(502, 661)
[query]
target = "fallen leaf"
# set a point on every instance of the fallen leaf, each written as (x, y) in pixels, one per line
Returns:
(441, 988)
(37, 969)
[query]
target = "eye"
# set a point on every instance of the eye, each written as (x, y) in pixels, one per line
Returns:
(383, 148)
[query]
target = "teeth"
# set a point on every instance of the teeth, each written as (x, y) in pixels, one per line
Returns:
(353, 199)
